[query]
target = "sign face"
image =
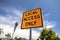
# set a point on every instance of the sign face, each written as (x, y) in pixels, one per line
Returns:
(32, 19)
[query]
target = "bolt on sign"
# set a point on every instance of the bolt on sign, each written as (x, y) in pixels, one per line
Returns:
(32, 19)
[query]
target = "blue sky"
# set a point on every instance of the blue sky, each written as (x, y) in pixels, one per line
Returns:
(12, 10)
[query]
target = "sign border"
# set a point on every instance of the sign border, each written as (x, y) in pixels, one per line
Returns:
(34, 26)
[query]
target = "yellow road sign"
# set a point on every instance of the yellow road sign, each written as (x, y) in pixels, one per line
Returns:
(32, 19)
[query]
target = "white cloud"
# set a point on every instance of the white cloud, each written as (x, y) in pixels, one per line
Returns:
(24, 33)
(2, 19)
(14, 11)
(46, 15)
(10, 20)
(35, 34)
(17, 12)
(6, 29)
(48, 24)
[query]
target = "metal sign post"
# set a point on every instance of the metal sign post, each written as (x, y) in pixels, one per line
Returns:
(30, 36)
(16, 24)
(32, 19)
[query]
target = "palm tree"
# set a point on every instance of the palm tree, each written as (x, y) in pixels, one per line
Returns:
(58, 38)
(44, 33)
(16, 24)
(51, 35)
(48, 34)
(8, 36)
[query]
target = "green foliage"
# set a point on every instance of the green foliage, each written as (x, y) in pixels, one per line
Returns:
(57, 38)
(24, 39)
(48, 34)
(11, 39)
(44, 34)
(51, 35)
(19, 38)
(8, 35)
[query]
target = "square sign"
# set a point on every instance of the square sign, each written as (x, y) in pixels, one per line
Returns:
(32, 19)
